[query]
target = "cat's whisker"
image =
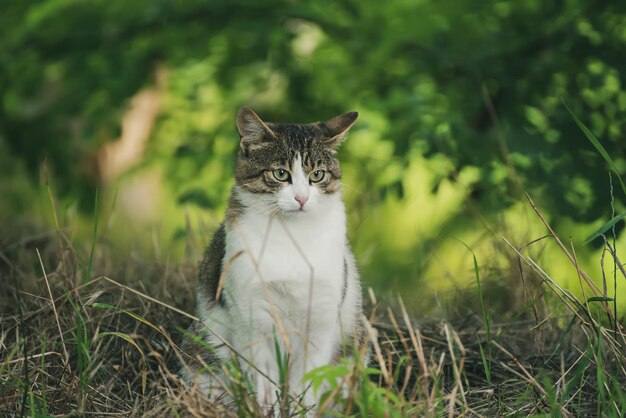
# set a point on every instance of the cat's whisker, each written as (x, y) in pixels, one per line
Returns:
(273, 210)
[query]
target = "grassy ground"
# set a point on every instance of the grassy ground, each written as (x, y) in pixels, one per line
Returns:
(88, 332)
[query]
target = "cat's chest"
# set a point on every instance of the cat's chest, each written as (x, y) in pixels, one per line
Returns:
(289, 253)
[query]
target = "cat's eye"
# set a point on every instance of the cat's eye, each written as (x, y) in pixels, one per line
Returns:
(281, 174)
(317, 176)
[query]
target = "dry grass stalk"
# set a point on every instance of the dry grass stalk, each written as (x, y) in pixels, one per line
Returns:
(434, 369)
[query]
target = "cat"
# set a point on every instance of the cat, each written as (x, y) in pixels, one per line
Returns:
(279, 279)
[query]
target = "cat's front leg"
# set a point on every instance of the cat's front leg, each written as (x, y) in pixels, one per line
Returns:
(257, 341)
(318, 350)
(264, 375)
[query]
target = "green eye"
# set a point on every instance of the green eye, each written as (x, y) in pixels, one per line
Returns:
(281, 174)
(317, 176)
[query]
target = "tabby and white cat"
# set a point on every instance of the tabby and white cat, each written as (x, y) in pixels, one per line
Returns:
(279, 271)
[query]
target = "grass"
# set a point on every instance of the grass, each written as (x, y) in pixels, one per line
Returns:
(88, 332)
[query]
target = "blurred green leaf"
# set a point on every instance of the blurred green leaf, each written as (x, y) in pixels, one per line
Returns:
(197, 197)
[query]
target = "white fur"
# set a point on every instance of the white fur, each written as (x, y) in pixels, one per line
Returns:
(286, 286)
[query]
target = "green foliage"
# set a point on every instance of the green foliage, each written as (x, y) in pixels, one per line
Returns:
(460, 104)
(366, 398)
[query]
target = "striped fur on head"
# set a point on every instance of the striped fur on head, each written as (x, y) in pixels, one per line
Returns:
(270, 146)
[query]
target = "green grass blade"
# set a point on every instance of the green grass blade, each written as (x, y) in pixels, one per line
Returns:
(485, 313)
(566, 331)
(125, 337)
(600, 374)
(600, 299)
(483, 358)
(605, 227)
(96, 215)
(130, 340)
(480, 291)
(31, 403)
(42, 365)
(127, 312)
(594, 141)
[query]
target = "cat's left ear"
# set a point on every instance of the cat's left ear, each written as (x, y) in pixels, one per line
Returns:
(337, 128)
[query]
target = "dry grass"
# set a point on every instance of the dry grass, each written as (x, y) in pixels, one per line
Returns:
(109, 346)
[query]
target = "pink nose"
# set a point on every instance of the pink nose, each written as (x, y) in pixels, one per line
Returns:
(302, 200)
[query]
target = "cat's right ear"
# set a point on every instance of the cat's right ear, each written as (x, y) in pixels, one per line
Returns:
(338, 127)
(252, 130)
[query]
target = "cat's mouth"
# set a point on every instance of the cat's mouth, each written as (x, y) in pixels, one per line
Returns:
(297, 211)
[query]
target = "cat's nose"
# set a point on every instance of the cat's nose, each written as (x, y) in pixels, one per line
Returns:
(301, 199)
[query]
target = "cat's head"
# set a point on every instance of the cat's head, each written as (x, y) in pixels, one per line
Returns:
(289, 169)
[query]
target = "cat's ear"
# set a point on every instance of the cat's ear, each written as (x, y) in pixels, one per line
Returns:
(337, 128)
(251, 128)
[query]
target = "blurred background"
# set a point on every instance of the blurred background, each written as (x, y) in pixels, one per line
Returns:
(124, 113)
